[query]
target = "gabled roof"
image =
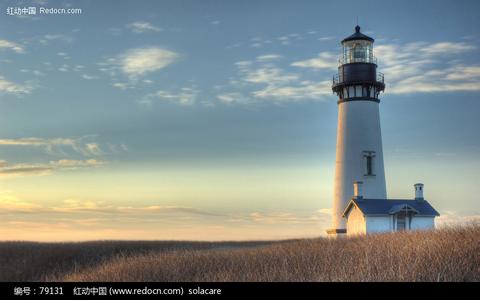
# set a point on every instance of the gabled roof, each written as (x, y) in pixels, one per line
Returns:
(358, 36)
(390, 206)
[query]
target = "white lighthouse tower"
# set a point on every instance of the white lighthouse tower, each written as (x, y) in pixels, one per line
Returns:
(359, 156)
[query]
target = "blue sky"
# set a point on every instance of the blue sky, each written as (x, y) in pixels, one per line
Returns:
(219, 116)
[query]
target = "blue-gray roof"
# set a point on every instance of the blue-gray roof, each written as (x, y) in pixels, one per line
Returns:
(391, 206)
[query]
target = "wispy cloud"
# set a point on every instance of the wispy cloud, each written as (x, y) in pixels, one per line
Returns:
(27, 169)
(322, 216)
(52, 37)
(58, 146)
(89, 77)
(142, 27)
(9, 45)
(324, 60)
(305, 90)
(269, 75)
(446, 48)
(22, 169)
(185, 96)
(233, 97)
(268, 57)
(266, 80)
(420, 67)
(73, 163)
(13, 88)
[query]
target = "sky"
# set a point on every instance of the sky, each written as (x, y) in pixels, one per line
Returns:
(215, 120)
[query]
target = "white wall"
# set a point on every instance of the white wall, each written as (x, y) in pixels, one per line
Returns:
(355, 222)
(379, 224)
(358, 130)
(419, 223)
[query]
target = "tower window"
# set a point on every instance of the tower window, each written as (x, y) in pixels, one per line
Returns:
(369, 165)
(369, 162)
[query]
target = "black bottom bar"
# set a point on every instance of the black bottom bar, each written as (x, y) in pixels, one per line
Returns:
(62, 290)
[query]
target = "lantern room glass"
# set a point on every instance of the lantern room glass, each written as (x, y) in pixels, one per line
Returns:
(358, 51)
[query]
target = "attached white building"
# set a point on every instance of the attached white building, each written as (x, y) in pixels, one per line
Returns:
(383, 215)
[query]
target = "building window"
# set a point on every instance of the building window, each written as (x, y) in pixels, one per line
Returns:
(369, 162)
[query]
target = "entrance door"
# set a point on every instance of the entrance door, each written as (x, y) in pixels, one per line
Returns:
(401, 222)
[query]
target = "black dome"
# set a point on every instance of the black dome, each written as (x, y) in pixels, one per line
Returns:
(358, 36)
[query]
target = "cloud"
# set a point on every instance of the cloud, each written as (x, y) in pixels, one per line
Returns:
(324, 60)
(72, 163)
(141, 61)
(33, 141)
(122, 85)
(9, 203)
(319, 218)
(141, 27)
(47, 38)
(89, 77)
(76, 206)
(4, 44)
(34, 72)
(7, 170)
(185, 96)
(93, 149)
(269, 75)
(461, 72)
(13, 88)
(268, 81)
(416, 67)
(420, 67)
(326, 38)
(28, 169)
(234, 97)
(305, 90)
(268, 57)
(447, 48)
(451, 218)
(59, 146)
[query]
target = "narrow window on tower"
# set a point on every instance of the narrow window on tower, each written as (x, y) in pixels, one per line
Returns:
(369, 162)
(369, 165)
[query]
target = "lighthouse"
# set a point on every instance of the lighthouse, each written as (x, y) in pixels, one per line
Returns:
(360, 203)
(359, 155)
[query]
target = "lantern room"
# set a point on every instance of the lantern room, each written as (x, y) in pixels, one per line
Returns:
(357, 48)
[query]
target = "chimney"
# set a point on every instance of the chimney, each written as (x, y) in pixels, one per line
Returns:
(418, 191)
(358, 189)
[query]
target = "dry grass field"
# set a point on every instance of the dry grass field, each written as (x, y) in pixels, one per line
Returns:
(450, 254)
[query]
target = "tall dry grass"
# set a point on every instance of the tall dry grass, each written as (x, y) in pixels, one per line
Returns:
(451, 254)
(31, 261)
